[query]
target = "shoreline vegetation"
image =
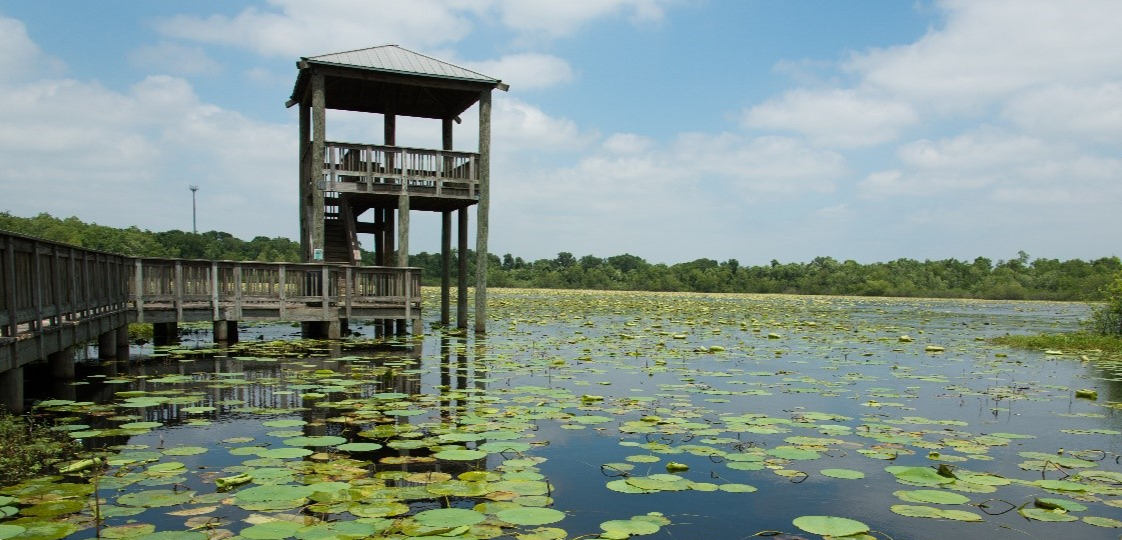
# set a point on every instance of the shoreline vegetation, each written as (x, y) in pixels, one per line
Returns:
(1020, 278)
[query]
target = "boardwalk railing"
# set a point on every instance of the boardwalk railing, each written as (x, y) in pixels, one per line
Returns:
(369, 168)
(164, 290)
(53, 295)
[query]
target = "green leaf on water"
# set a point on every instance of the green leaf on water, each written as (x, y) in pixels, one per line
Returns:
(1109, 523)
(932, 496)
(830, 525)
(844, 474)
(1040, 514)
(530, 516)
(449, 517)
(462, 454)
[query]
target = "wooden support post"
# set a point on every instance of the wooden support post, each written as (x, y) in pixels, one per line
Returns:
(445, 266)
(325, 290)
(305, 176)
(319, 137)
(216, 312)
(139, 285)
(178, 290)
(379, 236)
(446, 126)
(237, 315)
(462, 268)
(12, 328)
(482, 211)
(11, 390)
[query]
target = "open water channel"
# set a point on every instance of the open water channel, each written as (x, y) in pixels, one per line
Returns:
(669, 416)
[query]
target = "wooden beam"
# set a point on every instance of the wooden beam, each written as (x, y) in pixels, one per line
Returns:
(445, 266)
(462, 262)
(305, 176)
(319, 136)
(481, 211)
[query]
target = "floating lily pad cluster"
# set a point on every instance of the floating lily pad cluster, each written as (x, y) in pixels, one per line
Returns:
(693, 407)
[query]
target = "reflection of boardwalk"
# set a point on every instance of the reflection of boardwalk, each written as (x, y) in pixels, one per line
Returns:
(54, 296)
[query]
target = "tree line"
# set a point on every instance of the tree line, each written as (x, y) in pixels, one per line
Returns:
(1020, 278)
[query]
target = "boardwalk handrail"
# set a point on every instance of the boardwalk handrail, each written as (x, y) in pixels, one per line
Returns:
(47, 285)
(383, 169)
(68, 293)
(232, 290)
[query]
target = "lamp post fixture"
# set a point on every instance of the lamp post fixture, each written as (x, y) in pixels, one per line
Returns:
(194, 222)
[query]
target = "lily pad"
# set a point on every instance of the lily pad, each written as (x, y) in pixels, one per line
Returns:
(830, 525)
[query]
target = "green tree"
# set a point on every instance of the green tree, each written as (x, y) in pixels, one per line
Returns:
(1106, 318)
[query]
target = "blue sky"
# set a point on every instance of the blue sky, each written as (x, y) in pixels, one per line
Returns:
(669, 129)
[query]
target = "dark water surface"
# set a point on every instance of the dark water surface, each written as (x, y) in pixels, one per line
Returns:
(572, 397)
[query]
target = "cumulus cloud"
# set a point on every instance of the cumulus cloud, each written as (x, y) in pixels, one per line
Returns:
(556, 19)
(840, 118)
(19, 55)
(526, 71)
(987, 50)
(1091, 112)
(174, 59)
(73, 147)
(294, 28)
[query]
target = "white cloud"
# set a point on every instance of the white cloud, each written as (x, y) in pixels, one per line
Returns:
(627, 143)
(1092, 112)
(71, 147)
(988, 50)
(555, 19)
(174, 59)
(999, 166)
(526, 71)
(981, 149)
(19, 55)
(295, 28)
(837, 118)
(518, 125)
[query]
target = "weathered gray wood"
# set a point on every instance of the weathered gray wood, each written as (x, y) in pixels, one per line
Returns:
(179, 289)
(305, 176)
(319, 136)
(282, 294)
(445, 266)
(462, 268)
(11, 328)
(214, 291)
(481, 211)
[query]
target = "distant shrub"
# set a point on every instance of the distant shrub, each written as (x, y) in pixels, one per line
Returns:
(1106, 318)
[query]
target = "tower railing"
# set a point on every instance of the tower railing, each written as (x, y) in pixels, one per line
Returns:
(370, 168)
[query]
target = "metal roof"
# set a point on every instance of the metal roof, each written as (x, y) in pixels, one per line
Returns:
(396, 59)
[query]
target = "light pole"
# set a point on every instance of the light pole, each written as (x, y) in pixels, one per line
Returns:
(194, 223)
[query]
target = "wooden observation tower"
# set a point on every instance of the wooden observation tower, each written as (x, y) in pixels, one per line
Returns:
(343, 182)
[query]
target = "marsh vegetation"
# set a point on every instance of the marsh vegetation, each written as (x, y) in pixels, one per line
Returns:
(610, 414)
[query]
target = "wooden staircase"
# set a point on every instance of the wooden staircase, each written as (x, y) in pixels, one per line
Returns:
(339, 233)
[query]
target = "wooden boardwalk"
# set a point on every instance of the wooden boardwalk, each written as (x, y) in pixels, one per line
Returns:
(54, 296)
